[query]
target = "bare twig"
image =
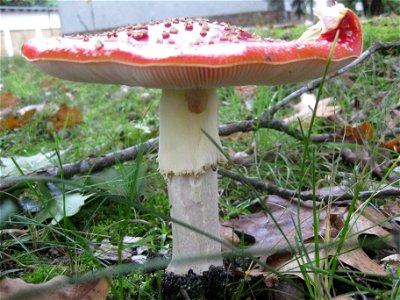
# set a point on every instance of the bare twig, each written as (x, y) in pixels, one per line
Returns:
(332, 195)
(87, 165)
(266, 122)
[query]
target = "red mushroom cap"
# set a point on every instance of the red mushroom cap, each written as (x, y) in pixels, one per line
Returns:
(192, 53)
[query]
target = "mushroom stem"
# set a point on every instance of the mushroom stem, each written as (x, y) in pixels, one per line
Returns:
(188, 158)
(194, 201)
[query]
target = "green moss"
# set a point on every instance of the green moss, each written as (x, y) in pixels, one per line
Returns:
(44, 272)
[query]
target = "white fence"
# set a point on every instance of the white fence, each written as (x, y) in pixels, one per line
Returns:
(19, 24)
(82, 15)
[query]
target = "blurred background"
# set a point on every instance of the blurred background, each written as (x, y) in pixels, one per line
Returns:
(21, 20)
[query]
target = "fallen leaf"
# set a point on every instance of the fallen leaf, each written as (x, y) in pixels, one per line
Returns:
(293, 265)
(266, 234)
(393, 118)
(286, 291)
(359, 260)
(374, 215)
(270, 280)
(24, 115)
(16, 121)
(362, 156)
(393, 144)
(8, 100)
(228, 235)
(391, 263)
(66, 117)
(349, 78)
(241, 158)
(70, 204)
(15, 232)
(247, 94)
(7, 103)
(8, 207)
(359, 224)
(57, 288)
(234, 137)
(109, 252)
(392, 209)
(269, 240)
(359, 133)
(306, 106)
(28, 164)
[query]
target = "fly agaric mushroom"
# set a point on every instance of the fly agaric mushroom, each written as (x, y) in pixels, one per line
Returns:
(188, 59)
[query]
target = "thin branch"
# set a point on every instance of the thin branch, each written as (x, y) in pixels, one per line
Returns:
(332, 195)
(272, 123)
(87, 165)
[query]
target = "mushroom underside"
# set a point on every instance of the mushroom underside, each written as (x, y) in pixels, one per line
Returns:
(190, 77)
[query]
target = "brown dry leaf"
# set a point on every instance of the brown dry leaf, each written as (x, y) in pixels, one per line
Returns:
(16, 121)
(234, 137)
(270, 280)
(265, 232)
(247, 94)
(23, 116)
(349, 78)
(391, 263)
(292, 266)
(306, 106)
(392, 209)
(88, 290)
(375, 216)
(393, 118)
(47, 83)
(359, 260)
(286, 291)
(351, 254)
(15, 232)
(360, 224)
(241, 158)
(7, 102)
(269, 239)
(393, 144)
(109, 252)
(362, 155)
(359, 133)
(228, 235)
(66, 117)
